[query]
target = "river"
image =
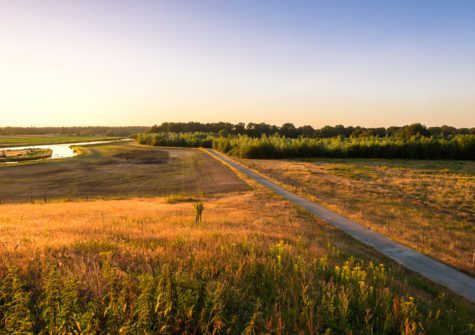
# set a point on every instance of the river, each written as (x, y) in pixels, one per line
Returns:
(62, 150)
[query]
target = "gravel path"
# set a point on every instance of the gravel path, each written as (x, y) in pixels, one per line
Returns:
(459, 282)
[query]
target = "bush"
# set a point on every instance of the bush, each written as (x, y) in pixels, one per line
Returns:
(176, 139)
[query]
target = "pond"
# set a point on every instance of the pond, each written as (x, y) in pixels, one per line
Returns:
(62, 150)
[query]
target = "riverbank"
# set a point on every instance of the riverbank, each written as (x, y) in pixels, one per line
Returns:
(60, 150)
(24, 155)
(20, 141)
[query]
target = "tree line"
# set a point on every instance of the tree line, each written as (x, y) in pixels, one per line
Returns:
(276, 146)
(79, 131)
(415, 147)
(291, 131)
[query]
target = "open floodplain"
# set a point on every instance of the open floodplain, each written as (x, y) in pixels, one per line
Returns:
(25, 140)
(117, 170)
(426, 205)
(107, 243)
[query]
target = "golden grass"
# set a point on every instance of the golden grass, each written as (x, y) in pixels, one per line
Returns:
(427, 205)
(143, 234)
(29, 231)
(59, 225)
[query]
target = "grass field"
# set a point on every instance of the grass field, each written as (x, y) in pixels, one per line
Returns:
(118, 170)
(254, 265)
(427, 205)
(10, 141)
(141, 265)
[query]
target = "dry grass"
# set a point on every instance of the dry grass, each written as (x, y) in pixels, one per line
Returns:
(232, 218)
(427, 205)
(238, 232)
(118, 170)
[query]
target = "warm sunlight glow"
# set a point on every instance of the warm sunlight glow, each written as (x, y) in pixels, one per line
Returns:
(313, 62)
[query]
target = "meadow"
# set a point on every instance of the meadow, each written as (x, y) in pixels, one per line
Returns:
(427, 205)
(25, 140)
(255, 265)
(117, 170)
(107, 243)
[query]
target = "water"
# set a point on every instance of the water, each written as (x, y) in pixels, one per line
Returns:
(61, 150)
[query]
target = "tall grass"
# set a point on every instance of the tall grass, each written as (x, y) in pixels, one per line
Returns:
(274, 291)
(258, 266)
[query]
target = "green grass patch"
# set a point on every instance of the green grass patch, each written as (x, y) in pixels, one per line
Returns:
(177, 198)
(7, 141)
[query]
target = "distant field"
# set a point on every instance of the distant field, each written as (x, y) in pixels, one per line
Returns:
(7, 141)
(118, 170)
(255, 265)
(427, 205)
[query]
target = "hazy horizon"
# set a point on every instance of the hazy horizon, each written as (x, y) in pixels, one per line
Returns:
(272, 124)
(118, 63)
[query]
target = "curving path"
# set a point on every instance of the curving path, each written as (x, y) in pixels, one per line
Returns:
(459, 282)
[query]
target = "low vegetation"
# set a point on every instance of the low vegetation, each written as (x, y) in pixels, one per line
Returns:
(254, 265)
(12, 141)
(72, 131)
(193, 140)
(24, 155)
(427, 205)
(118, 170)
(181, 197)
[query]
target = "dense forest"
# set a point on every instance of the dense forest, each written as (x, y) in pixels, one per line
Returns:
(79, 131)
(291, 131)
(408, 142)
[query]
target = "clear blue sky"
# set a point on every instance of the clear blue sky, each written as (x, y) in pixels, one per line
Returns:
(117, 62)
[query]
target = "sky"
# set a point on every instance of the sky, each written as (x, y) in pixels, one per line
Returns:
(142, 62)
